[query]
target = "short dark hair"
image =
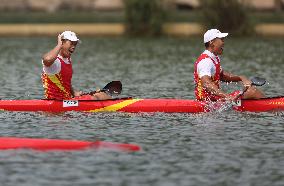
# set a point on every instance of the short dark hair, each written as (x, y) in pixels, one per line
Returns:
(206, 44)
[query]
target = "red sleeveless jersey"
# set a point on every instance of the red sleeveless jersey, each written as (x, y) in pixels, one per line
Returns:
(200, 92)
(58, 86)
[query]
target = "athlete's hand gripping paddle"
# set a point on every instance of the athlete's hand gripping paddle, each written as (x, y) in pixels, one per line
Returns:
(112, 88)
(255, 81)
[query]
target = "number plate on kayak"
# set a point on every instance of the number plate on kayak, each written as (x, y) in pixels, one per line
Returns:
(70, 103)
(239, 103)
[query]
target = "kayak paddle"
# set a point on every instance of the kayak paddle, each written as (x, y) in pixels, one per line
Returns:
(112, 88)
(258, 81)
(255, 81)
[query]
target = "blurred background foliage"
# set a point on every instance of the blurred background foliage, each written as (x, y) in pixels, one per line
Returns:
(226, 15)
(144, 17)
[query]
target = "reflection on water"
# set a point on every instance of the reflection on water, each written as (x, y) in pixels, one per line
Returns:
(227, 148)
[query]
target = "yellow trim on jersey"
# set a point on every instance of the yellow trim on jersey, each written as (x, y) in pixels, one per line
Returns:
(57, 82)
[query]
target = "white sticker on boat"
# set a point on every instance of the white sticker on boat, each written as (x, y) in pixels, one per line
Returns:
(70, 103)
(239, 103)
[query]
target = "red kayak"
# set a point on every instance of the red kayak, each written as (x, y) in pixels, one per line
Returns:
(7, 143)
(136, 105)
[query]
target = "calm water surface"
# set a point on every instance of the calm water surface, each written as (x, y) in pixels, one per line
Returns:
(178, 149)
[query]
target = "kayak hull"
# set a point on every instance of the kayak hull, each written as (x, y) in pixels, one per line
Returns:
(42, 144)
(136, 105)
(262, 105)
(119, 105)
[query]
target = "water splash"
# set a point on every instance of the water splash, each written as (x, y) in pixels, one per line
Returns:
(219, 106)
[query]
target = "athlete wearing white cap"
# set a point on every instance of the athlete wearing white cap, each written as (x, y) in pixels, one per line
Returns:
(57, 70)
(212, 34)
(71, 36)
(208, 72)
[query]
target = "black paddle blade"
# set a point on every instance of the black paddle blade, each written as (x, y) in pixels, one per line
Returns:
(113, 88)
(258, 81)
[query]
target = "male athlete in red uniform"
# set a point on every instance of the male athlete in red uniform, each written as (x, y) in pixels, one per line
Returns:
(57, 70)
(208, 72)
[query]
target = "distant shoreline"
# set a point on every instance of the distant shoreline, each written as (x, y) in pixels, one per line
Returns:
(118, 29)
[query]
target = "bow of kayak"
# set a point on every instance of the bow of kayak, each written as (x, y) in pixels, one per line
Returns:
(8, 143)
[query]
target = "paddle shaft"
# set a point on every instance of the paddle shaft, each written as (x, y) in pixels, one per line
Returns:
(241, 94)
(96, 91)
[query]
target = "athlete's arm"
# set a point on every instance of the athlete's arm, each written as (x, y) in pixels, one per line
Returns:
(205, 70)
(229, 77)
(211, 87)
(75, 93)
(49, 58)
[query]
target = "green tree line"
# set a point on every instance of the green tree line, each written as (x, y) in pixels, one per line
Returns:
(145, 18)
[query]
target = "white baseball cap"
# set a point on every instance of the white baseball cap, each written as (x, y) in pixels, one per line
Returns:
(70, 36)
(212, 34)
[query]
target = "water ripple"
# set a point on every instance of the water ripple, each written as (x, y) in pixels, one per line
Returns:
(230, 148)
